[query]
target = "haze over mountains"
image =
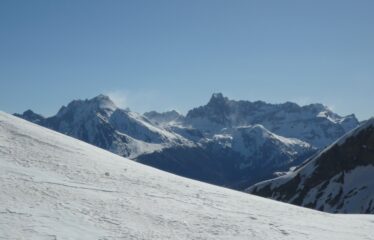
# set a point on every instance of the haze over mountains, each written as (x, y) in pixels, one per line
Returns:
(225, 142)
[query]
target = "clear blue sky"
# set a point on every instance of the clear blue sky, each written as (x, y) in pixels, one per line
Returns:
(165, 55)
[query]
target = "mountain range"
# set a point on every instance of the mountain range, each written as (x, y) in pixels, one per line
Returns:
(225, 142)
(53, 186)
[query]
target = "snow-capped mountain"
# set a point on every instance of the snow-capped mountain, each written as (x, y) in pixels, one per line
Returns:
(314, 124)
(100, 122)
(338, 179)
(226, 142)
(244, 142)
(56, 187)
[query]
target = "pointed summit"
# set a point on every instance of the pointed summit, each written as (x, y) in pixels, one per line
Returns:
(217, 110)
(217, 99)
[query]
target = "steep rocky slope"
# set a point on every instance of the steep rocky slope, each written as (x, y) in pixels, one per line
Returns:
(338, 179)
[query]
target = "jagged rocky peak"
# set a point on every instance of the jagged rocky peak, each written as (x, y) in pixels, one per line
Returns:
(220, 104)
(217, 98)
(100, 104)
(314, 123)
(216, 110)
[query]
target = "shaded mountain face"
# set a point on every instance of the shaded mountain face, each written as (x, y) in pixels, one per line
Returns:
(226, 142)
(339, 179)
(219, 163)
(236, 158)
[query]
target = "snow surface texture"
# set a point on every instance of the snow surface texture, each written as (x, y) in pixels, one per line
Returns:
(57, 187)
(338, 179)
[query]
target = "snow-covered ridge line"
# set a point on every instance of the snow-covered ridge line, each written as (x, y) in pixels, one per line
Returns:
(56, 187)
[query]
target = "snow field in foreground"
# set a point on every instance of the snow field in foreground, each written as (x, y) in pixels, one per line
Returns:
(56, 187)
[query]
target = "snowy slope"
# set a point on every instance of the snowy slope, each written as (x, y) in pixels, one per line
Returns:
(57, 187)
(338, 179)
(137, 126)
